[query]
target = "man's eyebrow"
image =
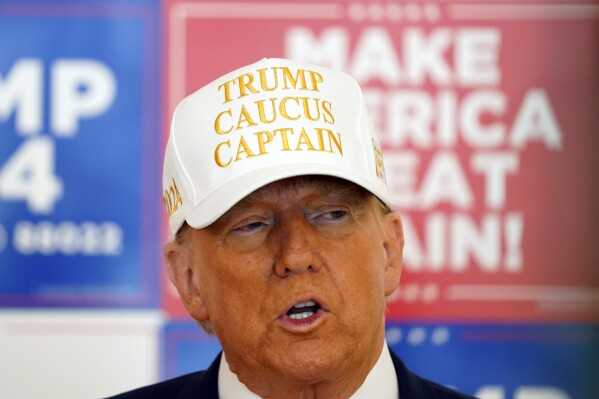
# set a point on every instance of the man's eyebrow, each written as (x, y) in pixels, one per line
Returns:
(331, 188)
(238, 208)
(351, 194)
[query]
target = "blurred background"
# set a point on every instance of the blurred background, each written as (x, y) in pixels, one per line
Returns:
(488, 115)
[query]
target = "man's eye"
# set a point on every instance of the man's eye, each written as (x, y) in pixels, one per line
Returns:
(338, 214)
(249, 228)
(253, 226)
(331, 216)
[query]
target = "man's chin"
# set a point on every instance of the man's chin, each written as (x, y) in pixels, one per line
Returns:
(311, 361)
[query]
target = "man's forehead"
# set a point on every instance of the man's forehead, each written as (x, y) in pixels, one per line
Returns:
(324, 184)
(329, 186)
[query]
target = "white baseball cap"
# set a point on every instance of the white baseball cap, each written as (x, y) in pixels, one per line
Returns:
(265, 122)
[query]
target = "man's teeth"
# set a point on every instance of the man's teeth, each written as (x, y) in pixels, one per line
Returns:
(299, 316)
(305, 304)
(303, 310)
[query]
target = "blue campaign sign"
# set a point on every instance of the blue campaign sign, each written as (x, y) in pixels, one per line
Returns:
(503, 361)
(488, 361)
(79, 154)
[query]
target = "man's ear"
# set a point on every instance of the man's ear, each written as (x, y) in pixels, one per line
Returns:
(184, 277)
(394, 247)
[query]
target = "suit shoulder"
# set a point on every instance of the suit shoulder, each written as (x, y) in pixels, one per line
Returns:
(161, 390)
(412, 386)
(443, 392)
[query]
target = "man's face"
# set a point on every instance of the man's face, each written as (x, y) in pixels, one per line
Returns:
(293, 278)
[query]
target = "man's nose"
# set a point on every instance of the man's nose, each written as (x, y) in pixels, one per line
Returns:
(297, 250)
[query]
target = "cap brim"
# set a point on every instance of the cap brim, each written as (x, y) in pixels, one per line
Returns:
(219, 202)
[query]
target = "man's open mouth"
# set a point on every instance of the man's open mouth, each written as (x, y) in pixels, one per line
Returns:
(303, 310)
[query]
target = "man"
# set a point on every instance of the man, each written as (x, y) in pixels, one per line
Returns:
(285, 245)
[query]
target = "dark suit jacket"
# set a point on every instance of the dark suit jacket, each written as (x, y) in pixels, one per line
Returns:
(204, 385)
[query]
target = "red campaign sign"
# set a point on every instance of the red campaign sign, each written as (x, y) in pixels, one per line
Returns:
(487, 114)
